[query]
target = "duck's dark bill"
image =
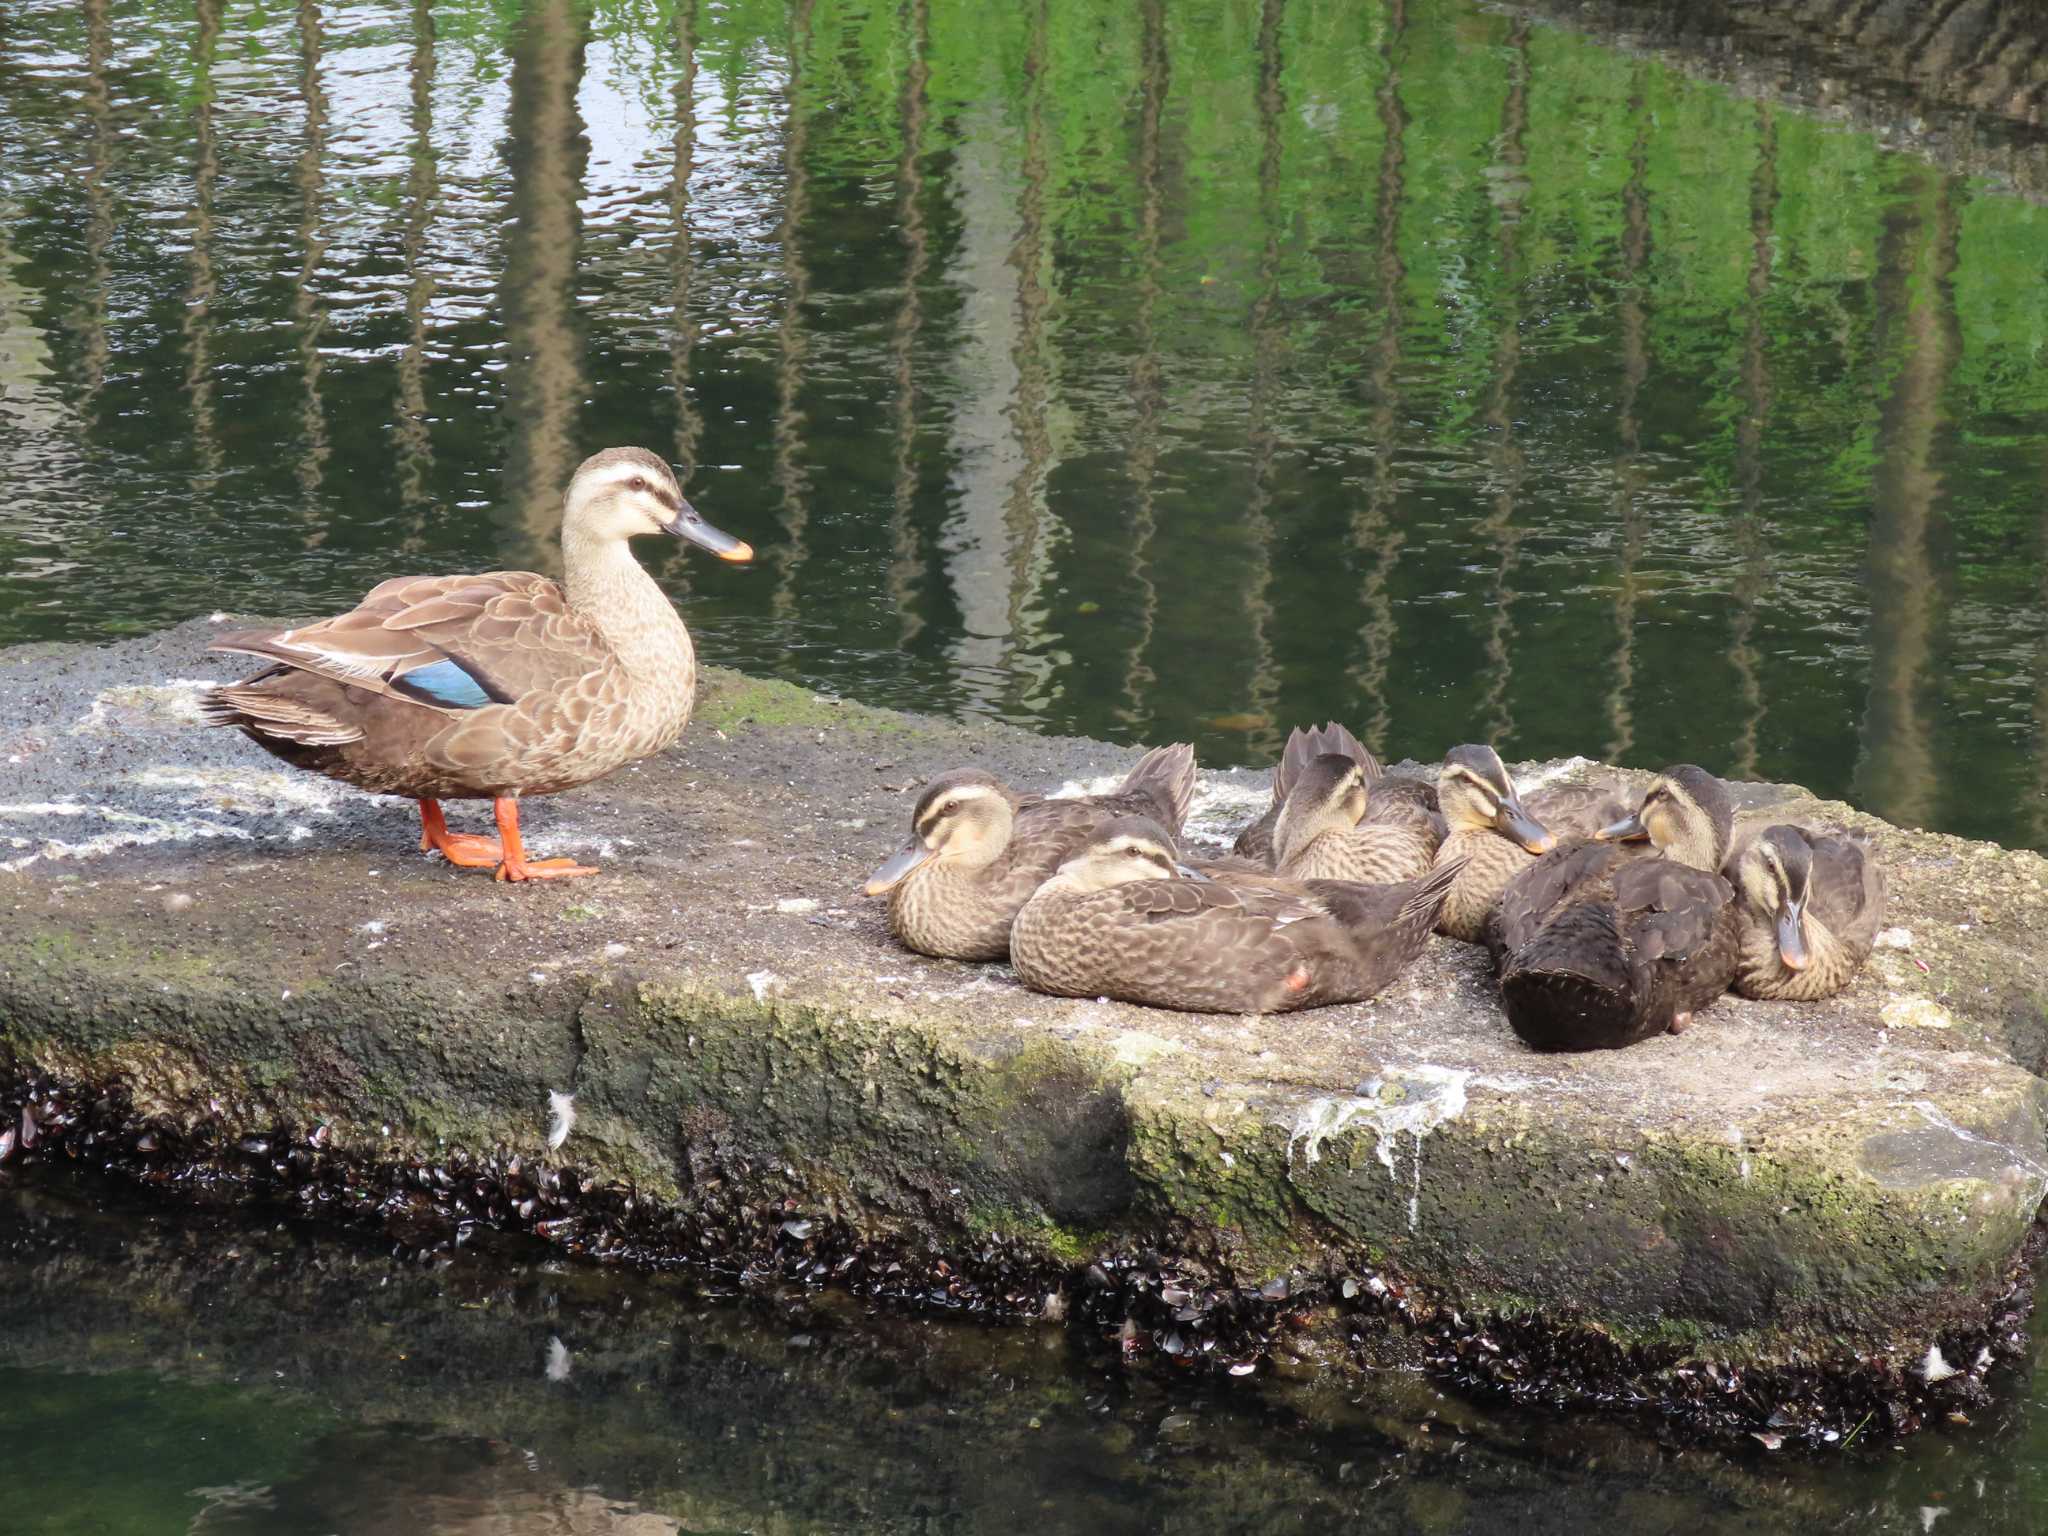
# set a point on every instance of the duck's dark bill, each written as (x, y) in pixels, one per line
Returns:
(895, 867)
(688, 525)
(1791, 937)
(1629, 829)
(1525, 829)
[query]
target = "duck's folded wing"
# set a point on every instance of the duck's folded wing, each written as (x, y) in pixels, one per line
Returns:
(452, 643)
(1669, 910)
(1579, 810)
(1848, 887)
(1218, 902)
(1533, 896)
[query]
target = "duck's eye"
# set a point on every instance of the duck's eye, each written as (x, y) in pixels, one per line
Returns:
(638, 486)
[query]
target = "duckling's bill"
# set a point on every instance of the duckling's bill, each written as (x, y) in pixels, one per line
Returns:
(1515, 822)
(895, 867)
(1792, 935)
(1629, 829)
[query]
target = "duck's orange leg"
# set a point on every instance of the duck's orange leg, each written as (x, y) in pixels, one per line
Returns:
(461, 848)
(515, 866)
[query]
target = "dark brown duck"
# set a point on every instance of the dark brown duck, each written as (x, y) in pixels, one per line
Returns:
(1608, 942)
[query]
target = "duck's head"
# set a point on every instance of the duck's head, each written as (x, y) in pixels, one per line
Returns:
(1120, 851)
(1685, 813)
(1328, 795)
(962, 818)
(1476, 795)
(1775, 873)
(624, 493)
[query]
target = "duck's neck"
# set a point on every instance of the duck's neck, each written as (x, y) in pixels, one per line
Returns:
(605, 585)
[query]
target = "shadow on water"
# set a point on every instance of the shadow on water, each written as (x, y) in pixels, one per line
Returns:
(1169, 370)
(175, 1371)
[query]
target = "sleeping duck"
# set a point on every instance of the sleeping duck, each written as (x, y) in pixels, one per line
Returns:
(1607, 942)
(978, 849)
(1124, 918)
(1395, 800)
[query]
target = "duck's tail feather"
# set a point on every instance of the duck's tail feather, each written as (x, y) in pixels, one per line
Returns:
(1165, 775)
(257, 709)
(1306, 744)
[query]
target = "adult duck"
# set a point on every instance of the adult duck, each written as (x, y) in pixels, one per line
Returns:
(1810, 908)
(494, 686)
(1125, 918)
(978, 849)
(1608, 942)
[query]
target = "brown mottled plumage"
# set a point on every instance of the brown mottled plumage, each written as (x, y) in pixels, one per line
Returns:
(1600, 945)
(498, 685)
(1490, 832)
(1810, 906)
(978, 850)
(1122, 918)
(1396, 799)
(1325, 833)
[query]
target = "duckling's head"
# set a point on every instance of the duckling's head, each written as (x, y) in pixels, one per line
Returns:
(1126, 849)
(1685, 813)
(1476, 795)
(1328, 795)
(623, 493)
(962, 818)
(1775, 874)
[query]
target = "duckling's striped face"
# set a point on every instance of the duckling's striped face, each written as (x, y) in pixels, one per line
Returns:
(1775, 873)
(1477, 795)
(1686, 814)
(962, 819)
(1119, 856)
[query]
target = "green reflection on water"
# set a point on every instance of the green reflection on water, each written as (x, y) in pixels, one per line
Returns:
(166, 1371)
(1159, 370)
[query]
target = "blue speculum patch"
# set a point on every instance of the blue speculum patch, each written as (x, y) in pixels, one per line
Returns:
(446, 683)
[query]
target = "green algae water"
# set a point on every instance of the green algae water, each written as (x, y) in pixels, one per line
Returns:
(171, 1372)
(1151, 369)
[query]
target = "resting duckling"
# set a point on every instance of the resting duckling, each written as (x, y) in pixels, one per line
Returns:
(1810, 907)
(1395, 799)
(1602, 944)
(1124, 918)
(978, 850)
(1490, 831)
(1324, 832)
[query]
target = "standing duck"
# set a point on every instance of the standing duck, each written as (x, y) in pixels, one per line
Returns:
(1395, 800)
(494, 686)
(1601, 945)
(1324, 831)
(978, 850)
(1490, 832)
(1810, 907)
(1124, 918)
